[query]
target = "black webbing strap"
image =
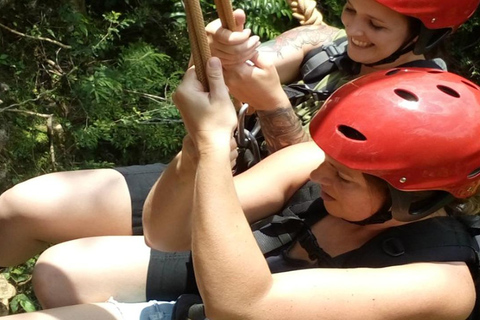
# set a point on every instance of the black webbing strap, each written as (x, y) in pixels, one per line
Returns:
(189, 307)
(276, 232)
(323, 60)
(279, 230)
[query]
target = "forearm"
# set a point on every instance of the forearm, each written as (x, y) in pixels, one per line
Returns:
(167, 209)
(228, 263)
(281, 127)
(288, 50)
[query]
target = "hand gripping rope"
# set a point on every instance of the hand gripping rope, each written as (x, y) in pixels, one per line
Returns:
(303, 10)
(201, 53)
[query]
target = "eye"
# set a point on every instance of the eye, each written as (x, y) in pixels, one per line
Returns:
(342, 179)
(349, 10)
(375, 26)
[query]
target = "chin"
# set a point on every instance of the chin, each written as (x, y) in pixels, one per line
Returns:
(355, 56)
(360, 57)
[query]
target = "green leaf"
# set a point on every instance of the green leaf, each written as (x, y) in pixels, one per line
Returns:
(21, 300)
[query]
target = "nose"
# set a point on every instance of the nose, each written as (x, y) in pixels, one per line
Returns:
(354, 27)
(321, 175)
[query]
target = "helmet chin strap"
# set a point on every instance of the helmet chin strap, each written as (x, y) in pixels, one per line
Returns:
(383, 215)
(406, 208)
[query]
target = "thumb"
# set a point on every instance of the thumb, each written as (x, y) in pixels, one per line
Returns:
(215, 77)
(259, 60)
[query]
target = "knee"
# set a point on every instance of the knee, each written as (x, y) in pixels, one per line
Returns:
(53, 279)
(8, 202)
(15, 202)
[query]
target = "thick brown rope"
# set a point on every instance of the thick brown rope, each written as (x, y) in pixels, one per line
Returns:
(198, 39)
(306, 12)
(225, 13)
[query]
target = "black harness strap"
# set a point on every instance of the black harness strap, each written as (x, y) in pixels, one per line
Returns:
(279, 230)
(323, 60)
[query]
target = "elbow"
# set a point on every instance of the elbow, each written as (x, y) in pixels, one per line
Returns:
(148, 241)
(151, 236)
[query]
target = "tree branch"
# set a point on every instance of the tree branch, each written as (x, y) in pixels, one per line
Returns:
(36, 38)
(25, 102)
(147, 95)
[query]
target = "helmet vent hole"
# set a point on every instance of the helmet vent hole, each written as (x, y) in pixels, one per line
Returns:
(474, 173)
(392, 72)
(407, 95)
(449, 91)
(470, 85)
(351, 133)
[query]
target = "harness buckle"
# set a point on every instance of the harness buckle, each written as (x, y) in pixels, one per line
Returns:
(332, 52)
(393, 247)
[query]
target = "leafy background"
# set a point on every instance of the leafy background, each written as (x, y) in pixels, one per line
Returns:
(88, 84)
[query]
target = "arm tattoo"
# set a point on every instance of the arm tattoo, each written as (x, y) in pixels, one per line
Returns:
(281, 128)
(298, 37)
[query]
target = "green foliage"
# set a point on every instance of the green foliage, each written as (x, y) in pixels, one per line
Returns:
(267, 18)
(20, 277)
(464, 48)
(331, 11)
(89, 89)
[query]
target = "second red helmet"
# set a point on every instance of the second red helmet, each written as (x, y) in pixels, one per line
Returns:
(416, 128)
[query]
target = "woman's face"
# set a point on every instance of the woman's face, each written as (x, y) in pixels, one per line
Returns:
(374, 31)
(347, 193)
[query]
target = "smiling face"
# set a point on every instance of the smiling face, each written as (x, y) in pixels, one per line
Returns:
(348, 193)
(374, 31)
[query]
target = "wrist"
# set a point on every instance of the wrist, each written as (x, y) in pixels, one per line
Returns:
(215, 143)
(280, 101)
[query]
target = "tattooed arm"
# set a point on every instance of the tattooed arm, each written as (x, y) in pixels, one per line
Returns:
(275, 62)
(288, 50)
(259, 85)
(281, 128)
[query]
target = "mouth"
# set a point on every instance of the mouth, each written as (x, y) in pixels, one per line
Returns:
(360, 44)
(325, 196)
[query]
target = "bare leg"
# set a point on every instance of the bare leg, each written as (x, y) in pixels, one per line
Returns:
(92, 270)
(62, 206)
(102, 311)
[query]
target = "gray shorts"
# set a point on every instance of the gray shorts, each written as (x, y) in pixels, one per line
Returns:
(169, 274)
(140, 179)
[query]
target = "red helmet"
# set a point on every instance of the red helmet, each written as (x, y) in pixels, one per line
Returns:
(416, 128)
(439, 18)
(435, 14)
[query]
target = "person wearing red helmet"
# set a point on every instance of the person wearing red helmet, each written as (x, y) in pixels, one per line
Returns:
(402, 141)
(413, 265)
(110, 201)
(378, 34)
